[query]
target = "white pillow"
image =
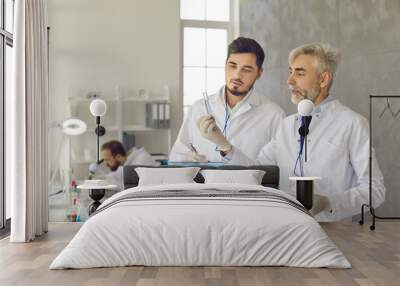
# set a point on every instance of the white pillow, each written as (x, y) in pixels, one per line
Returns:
(165, 176)
(248, 177)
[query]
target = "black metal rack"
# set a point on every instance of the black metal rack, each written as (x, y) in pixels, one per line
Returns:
(369, 205)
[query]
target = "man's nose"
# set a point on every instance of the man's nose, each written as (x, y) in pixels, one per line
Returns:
(237, 74)
(290, 80)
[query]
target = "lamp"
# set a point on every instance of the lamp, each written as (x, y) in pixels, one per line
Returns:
(69, 127)
(305, 108)
(73, 126)
(98, 108)
(305, 185)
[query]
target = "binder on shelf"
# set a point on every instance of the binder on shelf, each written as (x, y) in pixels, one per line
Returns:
(128, 140)
(149, 119)
(154, 114)
(167, 116)
(158, 115)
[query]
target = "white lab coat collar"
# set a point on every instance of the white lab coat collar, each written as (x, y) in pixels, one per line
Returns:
(251, 100)
(325, 108)
(323, 105)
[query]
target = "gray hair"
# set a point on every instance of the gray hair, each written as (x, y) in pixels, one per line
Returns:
(328, 58)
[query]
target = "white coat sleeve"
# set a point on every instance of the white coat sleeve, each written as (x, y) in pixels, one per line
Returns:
(276, 122)
(349, 202)
(142, 157)
(180, 149)
(265, 157)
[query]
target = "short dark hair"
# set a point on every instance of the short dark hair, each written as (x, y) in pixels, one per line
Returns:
(115, 147)
(247, 45)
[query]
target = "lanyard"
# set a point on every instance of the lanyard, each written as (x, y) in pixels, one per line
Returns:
(227, 113)
(227, 116)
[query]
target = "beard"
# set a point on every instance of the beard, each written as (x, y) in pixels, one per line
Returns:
(114, 168)
(236, 92)
(299, 94)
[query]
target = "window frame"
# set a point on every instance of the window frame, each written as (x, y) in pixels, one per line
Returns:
(230, 26)
(6, 39)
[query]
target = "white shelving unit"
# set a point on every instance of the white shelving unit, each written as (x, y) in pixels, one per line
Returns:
(124, 114)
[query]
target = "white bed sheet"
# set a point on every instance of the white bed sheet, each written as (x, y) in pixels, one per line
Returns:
(206, 231)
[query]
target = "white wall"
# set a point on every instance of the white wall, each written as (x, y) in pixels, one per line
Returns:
(97, 44)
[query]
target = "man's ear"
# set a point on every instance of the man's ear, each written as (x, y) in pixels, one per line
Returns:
(325, 79)
(260, 71)
(119, 157)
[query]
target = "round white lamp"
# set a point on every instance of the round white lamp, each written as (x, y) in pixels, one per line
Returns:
(69, 127)
(305, 107)
(73, 126)
(98, 107)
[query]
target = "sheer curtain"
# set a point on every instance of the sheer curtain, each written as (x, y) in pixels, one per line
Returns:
(27, 123)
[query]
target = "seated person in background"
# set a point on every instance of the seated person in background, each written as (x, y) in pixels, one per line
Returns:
(248, 120)
(115, 156)
(338, 141)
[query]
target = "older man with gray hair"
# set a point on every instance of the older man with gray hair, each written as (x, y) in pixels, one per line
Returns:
(338, 140)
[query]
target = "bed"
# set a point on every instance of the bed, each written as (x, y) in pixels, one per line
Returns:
(197, 224)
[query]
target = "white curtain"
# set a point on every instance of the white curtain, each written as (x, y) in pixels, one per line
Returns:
(27, 123)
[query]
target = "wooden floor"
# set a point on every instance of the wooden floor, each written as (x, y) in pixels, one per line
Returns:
(374, 255)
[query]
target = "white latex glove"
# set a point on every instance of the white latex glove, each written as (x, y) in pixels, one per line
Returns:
(196, 157)
(320, 203)
(209, 130)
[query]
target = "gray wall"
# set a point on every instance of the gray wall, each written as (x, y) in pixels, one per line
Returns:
(368, 34)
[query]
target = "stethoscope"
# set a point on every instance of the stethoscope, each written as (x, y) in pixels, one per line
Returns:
(227, 117)
(227, 113)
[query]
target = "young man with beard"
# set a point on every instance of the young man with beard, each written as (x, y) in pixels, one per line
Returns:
(242, 117)
(115, 157)
(338, 141)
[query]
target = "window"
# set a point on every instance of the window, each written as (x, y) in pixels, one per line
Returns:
(207, 29)
(6, 44)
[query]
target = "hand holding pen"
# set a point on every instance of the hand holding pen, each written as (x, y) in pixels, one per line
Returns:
(195, 156)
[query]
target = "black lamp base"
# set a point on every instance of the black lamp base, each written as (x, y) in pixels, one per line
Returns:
(305, 193)
(96, 195)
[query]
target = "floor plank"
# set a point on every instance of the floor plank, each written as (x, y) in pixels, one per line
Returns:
(374, 255)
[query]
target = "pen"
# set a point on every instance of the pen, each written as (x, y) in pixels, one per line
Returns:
(206, 103)
(192, 147)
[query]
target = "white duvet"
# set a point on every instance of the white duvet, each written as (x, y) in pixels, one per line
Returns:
(200, 231)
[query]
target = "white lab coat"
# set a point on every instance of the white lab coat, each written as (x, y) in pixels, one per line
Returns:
(338, 153)
(135, 157)
(249, 128)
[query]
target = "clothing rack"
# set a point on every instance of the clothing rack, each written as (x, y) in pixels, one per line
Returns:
(370, 205)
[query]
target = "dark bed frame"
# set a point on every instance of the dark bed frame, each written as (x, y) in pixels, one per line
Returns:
(270, 179)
